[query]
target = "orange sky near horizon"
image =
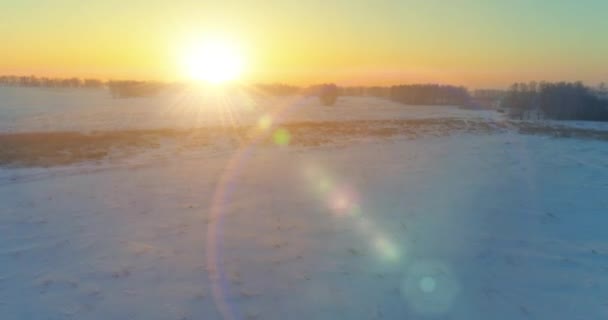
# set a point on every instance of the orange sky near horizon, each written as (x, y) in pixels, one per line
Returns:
(490, 44)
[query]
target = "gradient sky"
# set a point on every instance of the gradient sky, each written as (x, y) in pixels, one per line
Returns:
(475, 43)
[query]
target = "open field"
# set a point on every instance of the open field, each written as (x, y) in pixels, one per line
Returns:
(47, 149)
(413, 213)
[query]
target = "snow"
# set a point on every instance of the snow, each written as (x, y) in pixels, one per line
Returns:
(33, 109)
(464, 226)
(594, 125)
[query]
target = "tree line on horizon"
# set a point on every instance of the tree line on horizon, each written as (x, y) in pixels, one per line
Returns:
(46, 82)
(415, 93)
(424, 94)
(420, 94)
(117, 88)
(557, 100)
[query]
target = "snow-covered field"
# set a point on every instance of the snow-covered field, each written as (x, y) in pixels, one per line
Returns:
(466, 225)
(32, 109)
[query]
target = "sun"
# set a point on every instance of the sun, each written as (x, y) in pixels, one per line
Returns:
(215, 62)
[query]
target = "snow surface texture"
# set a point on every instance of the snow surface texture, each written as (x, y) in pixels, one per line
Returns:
(30, 109)
(467, 226)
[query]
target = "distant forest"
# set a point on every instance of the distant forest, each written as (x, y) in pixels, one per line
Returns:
(418, 94)
(421, 94)
(560, 101)
(33, 81)
(528, 101)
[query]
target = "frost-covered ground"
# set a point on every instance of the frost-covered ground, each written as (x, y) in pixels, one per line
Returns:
(33, 109)
(474, 224)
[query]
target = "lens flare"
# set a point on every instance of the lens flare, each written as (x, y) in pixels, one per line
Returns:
(265, 122)
(430, 287)
(386, 248)
(325, 184)
(427, 284)
(342, 200)
(355, 210)
(340, 204)
(281, 137)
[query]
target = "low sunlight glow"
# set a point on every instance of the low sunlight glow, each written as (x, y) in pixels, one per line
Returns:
(214, 62)
(253, 160)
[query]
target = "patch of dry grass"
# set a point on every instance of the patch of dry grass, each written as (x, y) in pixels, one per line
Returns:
(46, 149)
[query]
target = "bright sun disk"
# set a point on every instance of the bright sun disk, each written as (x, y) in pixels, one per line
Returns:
(214, 62)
